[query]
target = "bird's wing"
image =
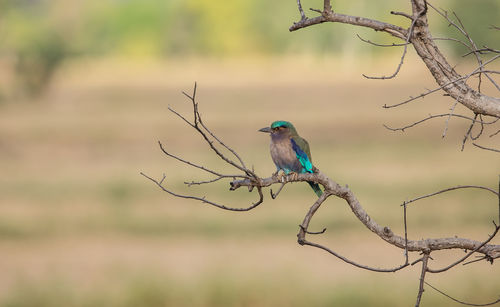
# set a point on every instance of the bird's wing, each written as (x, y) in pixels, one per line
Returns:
(301, 148)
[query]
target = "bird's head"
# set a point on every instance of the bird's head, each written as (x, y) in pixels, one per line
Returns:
(280, 128)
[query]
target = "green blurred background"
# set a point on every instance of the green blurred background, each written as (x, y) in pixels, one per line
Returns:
(84, 92)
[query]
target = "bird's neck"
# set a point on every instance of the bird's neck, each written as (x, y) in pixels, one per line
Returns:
(276, 138)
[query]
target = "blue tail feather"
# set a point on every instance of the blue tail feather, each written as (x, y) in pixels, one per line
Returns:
(316, 188)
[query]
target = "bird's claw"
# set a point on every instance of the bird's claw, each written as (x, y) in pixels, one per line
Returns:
(293, 176)
(280, 176)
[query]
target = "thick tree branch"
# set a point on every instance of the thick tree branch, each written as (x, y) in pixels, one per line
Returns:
(329, 16)
(419, 35)
(334, 189)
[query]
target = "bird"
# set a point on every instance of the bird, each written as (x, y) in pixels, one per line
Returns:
(289, 151)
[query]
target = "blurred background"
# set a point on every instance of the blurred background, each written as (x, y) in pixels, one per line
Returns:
(84, 91)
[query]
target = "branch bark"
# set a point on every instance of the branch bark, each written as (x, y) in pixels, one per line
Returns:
(333, 188)
(421, 38)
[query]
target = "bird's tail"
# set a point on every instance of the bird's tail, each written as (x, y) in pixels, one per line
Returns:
(315, 188)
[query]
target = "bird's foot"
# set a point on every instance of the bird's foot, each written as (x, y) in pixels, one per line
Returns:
(279, 175)
(292, 176)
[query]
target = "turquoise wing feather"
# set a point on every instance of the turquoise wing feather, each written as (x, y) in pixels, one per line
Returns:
(301, 148)
(303, 153)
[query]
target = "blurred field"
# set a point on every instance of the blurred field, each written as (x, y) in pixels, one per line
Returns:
(80, 227)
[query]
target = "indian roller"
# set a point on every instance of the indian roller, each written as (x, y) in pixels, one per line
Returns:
(289, 151)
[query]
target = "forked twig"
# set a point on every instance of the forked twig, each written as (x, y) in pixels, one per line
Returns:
(209, 138)
(203, 199)
(461, 260)
(408, 38)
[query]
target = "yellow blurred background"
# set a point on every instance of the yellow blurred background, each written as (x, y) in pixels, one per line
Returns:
(84, 91)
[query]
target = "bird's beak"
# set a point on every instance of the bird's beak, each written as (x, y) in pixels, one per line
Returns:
(265, 129)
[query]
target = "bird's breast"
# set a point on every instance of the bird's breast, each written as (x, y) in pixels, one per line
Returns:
(284, 156)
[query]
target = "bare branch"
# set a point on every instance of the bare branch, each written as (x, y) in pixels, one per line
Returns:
(420, 37)
(203, 199)
(424, 260)
(197, 121)
(452, 109)
(448, 85)
(273, 196)
(461, 302)
(402, 14)
(433, 117)
(327, 6)
(467, 134)
(452, 189)
(486, 148)
(410, 33)
(332, 188)
(208, 181)
(222, 143)
(490, 237)
(472, 47)
(495, 133)
(313, 232)
(196, 165)
(303, 231)
(302, 14)
(329, 16)
(445, 75)
(380, 45)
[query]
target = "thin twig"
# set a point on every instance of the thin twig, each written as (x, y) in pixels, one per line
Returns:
(495, 133)
(421, 289)
(432, 117)
(461, 302)
(198, 121)
(486, 148)
(313, 232)
(273, 196)
(472, 47)
(480, 131)
(223, 144)
(452, 109)
(462, 78)
(467, 134)
(361, 266)
(302, 14)
(452, 189)
(189, 184)
(304, 230)
(203, 199)
(190, 163)
(380, 45)
(407, 42)
(406, 232)
(402, 14)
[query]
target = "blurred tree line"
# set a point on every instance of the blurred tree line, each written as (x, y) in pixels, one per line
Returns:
(38, 35)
